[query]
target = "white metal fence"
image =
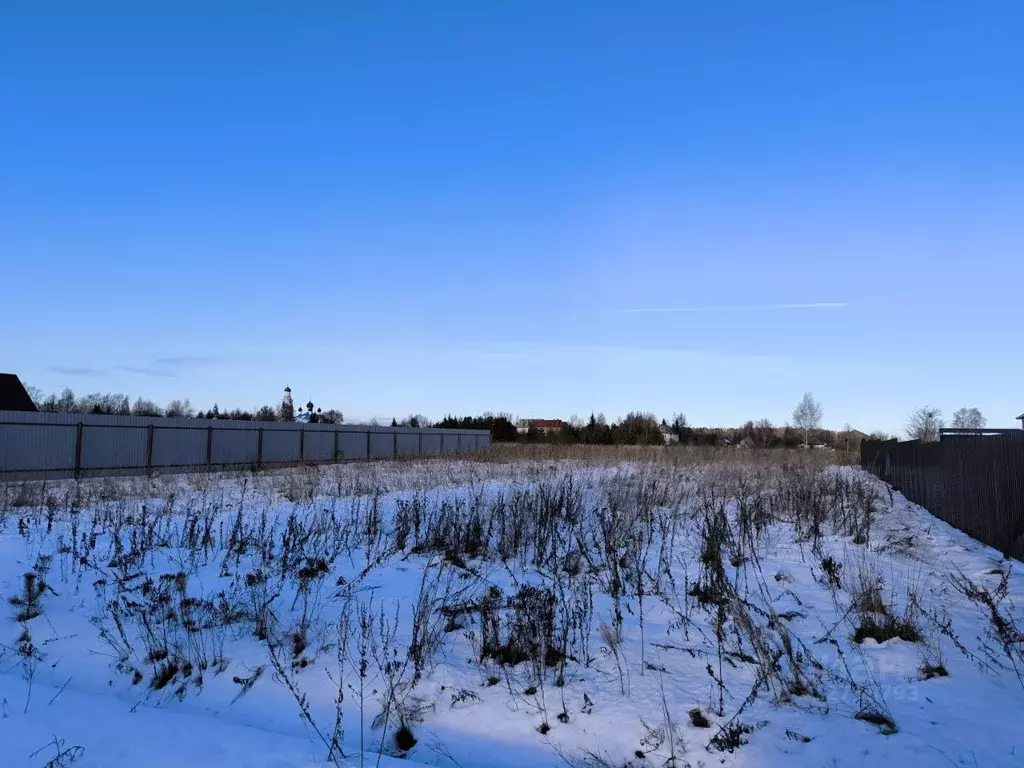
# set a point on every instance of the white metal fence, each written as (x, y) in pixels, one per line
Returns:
(52, 445)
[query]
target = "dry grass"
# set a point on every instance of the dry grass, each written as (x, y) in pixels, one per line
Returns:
(675, 455)
(672, 529)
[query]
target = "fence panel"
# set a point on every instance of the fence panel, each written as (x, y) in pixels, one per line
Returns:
(114, 447)
(431, 444)
(382, 445)
(352, 445)
(318, 445)
(281, 446)
(975, 484)
(178, 447)
(36, 445)
(230, 447)
(408, 444)
(31, 447)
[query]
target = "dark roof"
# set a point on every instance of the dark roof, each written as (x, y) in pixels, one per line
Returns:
(13, 396)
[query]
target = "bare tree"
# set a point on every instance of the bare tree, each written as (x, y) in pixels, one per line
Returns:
(924, 424)
(969, 418)
(66, 403)
(146, 408)
(36, 394)
(332, 416)
(763, 434)
(265, 413)
(111, 403)
(807, 415)
(179, 409)
(95, 402)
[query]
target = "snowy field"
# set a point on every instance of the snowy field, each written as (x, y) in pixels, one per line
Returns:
(741, 611)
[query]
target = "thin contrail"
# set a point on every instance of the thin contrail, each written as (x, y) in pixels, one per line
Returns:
(744, 307)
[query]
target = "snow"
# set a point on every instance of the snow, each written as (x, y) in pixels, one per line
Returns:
(79, 693)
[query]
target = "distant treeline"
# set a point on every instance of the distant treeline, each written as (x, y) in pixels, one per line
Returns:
(116, 404)
(645, 429)
(636, 428)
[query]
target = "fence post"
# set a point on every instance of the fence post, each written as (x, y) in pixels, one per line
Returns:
(78, 449)
(419, 444)
(259, 449)
(335, 445)
(394, 448)
(368, 455)
(149, 450)
(302, 444)
(209, 448)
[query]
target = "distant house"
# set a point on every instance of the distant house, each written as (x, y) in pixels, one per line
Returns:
(668, 435)
(547, 426)
(13, 395)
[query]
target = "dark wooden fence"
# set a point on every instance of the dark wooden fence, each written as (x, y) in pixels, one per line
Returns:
(973, 483)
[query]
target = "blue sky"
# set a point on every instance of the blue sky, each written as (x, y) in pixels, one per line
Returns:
(448, 206)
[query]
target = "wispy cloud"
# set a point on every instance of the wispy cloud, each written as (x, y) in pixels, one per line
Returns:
(70, 370)
(185, 361)
(741, 307)
(158, 372)
(163, 367)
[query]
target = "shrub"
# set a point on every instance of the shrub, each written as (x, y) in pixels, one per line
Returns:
(884, 722)
(730, 737)
(833, 571)
(887, 628)
(404, 738)
(698, 719)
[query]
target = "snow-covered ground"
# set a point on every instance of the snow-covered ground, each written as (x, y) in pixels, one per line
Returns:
(479, 614)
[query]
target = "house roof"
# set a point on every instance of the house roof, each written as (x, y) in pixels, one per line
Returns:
(547, 423)
(13, 396)
(1021, 416)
